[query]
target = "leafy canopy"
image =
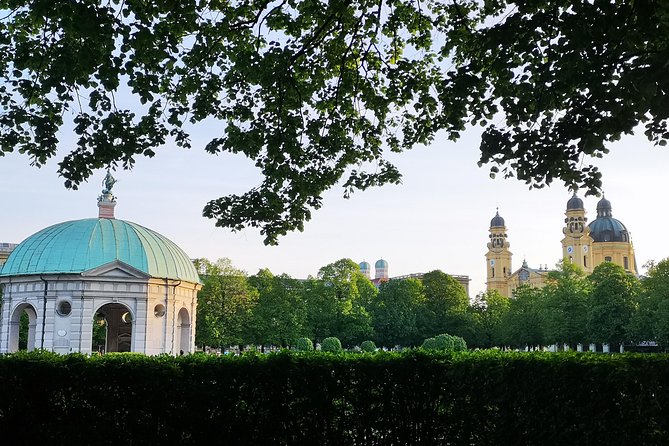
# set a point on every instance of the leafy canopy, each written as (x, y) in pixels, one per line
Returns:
(315, 92)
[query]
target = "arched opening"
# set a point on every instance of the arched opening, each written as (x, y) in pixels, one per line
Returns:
(183, 331)
(112, 329)
(22, 328)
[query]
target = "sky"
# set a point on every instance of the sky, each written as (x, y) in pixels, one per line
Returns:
(438, 218)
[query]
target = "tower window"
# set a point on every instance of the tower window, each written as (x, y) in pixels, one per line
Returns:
(493, 272)
(585, 261)
(571, 259)
(504, 270)
(607, 259)
(626, 263)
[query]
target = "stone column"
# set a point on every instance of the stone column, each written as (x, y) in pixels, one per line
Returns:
(593, 347)
(605, 348)
(579, 347)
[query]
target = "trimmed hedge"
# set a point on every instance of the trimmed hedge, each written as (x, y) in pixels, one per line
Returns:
(304, 345)
(479, 398)
(331, 344)
(445, 342)
(368, 346)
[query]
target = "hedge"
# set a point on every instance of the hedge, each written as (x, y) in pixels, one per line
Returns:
(417, 397)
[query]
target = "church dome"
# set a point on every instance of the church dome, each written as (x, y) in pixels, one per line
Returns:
(380, 264)
(497, 220)
(364, 266)
(574, 203)
(604, 208)
(77, 246)
(605, 228)
(608, 229)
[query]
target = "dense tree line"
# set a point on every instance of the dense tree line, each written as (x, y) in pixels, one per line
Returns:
(340, 301)
(608, 306)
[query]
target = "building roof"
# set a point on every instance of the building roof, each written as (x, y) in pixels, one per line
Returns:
(574, 203)
(81, 245)
(381, 264)
(496, 221)
(608, 229)
(605, 228)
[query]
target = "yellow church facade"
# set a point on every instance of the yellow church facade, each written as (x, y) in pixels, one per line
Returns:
(605, 239)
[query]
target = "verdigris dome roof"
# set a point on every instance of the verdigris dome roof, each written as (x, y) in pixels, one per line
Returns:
(605, 228)
(608, 229)
(364, 266)
(381, 264)
(574, 203)
(497, 220)
(81, 245)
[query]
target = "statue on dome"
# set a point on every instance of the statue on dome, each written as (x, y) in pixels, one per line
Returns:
(108, 183)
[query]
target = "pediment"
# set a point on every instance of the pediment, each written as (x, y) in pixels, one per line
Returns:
(116, 269)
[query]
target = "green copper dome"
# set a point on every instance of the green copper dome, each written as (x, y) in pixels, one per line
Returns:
(81, 245)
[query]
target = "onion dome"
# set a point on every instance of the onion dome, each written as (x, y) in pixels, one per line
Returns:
(381, 264)
(575, 203)
(604, 208)
(497, 220)
(605, 228)
(74, 247)
(364, 266)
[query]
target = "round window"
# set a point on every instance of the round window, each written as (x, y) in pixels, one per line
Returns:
(64, 308)
(126, 317)
(159, 310)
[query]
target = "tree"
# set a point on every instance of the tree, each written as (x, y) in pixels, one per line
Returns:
(394, 312)
(489, 309)
(315, 92)
(611, 304)
(336, 303)
(224, 305)
(279, 316)
(521, 325)
(565, 308)
(446, 303)
(651, 321)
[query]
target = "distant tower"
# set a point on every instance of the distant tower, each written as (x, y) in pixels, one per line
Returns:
(365, 268)
(381, 269)
(577, 243)
(498, 257)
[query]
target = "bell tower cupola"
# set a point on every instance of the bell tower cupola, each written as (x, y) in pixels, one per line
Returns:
(498, 257)
(577, 243)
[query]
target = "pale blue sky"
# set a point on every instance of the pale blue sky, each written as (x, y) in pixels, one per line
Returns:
(437, 219)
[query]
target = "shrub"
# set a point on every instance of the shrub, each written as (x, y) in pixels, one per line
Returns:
(445, 342)
(430, 344)
(304, 345)
(459, 344)
(331, 344)
(368, 346)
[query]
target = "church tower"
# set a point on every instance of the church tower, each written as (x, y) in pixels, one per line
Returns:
(498, 257)
(577, 243)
